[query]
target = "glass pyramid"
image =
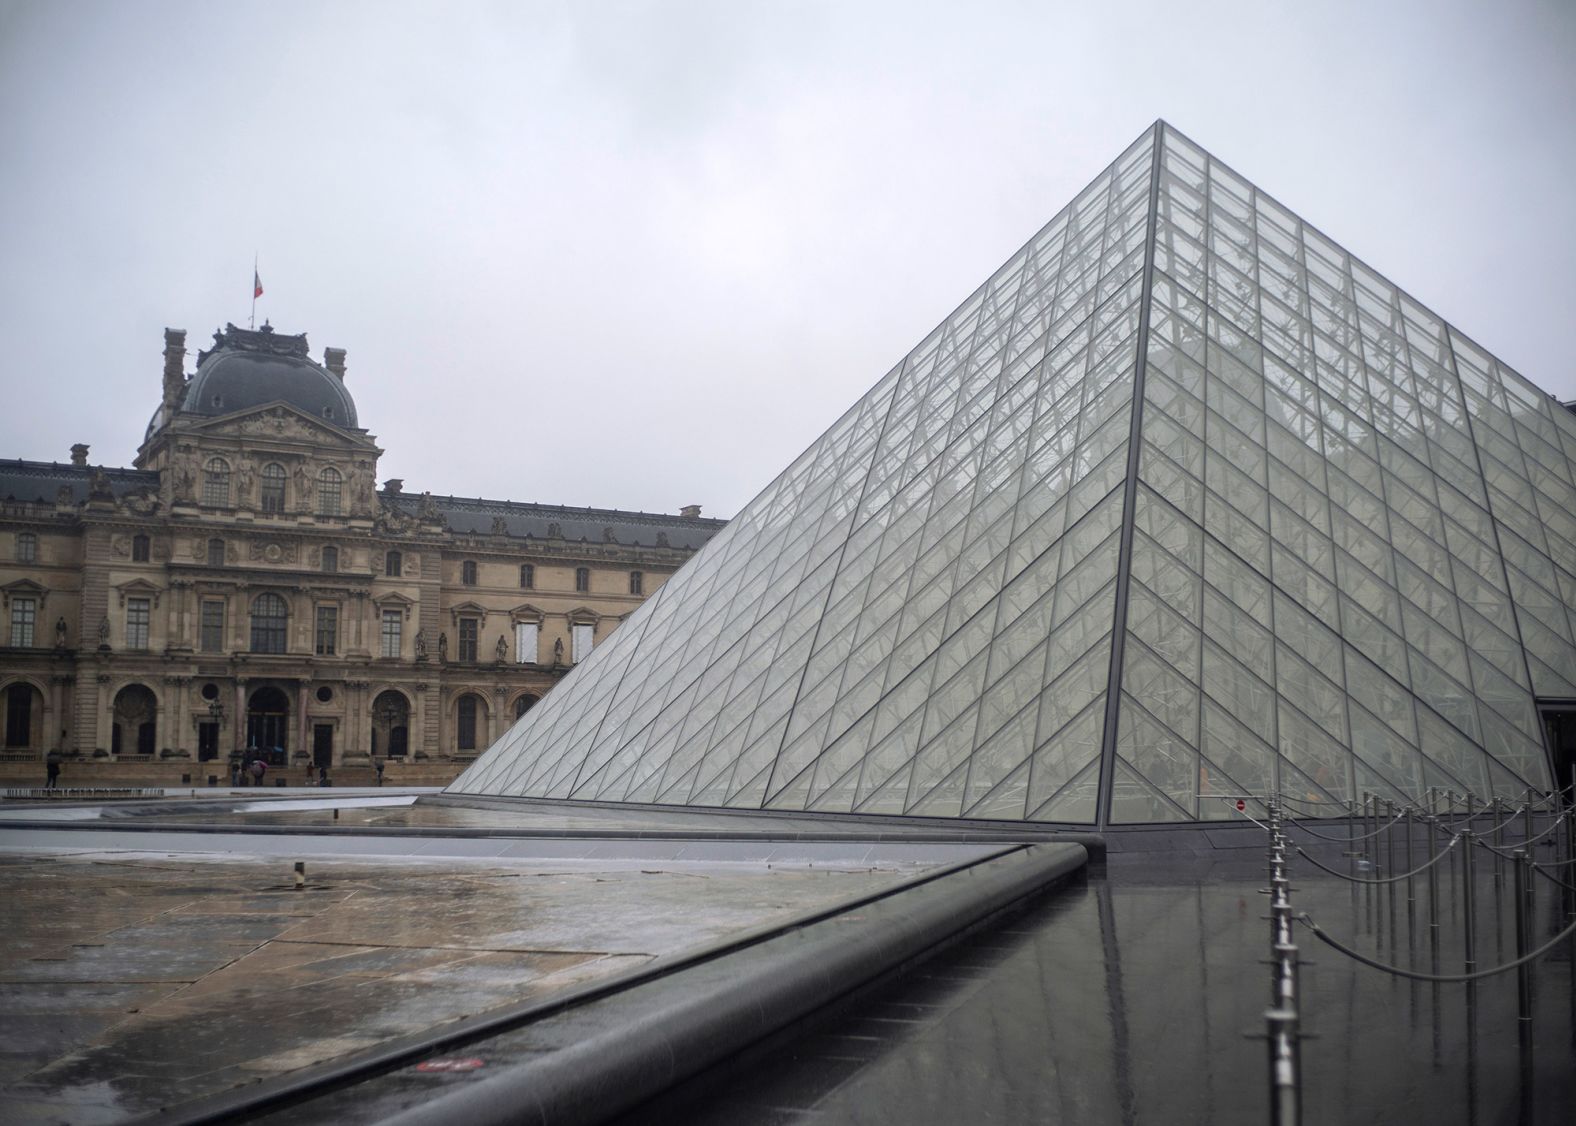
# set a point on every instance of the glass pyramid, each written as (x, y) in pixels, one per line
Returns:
(1183, 501)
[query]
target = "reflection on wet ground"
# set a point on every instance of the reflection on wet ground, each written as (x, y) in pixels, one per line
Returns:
(1140, 997)
(128, 983)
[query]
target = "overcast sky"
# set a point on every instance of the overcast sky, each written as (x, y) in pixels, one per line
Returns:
(639, 255)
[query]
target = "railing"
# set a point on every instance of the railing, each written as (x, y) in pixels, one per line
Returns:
(1465, 853)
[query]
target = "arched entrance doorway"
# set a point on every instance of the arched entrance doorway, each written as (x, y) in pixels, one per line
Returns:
(136, 713)
(24, 716)
(390, 724)
(268, 725)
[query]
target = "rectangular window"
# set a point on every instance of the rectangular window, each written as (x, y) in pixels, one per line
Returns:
(637, 583)
(327, 630)
(527, 576)
(391, 633)
(138, 615)
(139, 549)
(212, 638)
(468, 572)
(24, 612)
(216, 553)
(468, 632)
(582, 579)
(525, 634)
(579, 642)
(26, 547)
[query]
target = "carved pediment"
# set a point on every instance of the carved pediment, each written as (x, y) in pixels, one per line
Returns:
(584, 615)
(468, 610)
(394, 600)
(525, 612)
(282, 421)
(24, 588)
(139, 588)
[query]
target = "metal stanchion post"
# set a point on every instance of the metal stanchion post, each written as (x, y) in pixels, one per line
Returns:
(1433, 894)
(1523, 934)
(1467, 874)
(1411, 890)
(1526, 822)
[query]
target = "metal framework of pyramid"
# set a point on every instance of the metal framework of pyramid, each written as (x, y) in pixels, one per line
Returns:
(1184, 501)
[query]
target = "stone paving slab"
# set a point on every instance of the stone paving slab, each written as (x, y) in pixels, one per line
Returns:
(134, 981)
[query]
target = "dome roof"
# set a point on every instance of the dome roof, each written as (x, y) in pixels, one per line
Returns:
(247, 369)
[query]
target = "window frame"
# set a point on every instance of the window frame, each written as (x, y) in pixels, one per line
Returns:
(216, 552)
(330, 561)
(270, 635)
(27, 547)
(216, 483)
(391, 634)
(582, 580)
(393, 564)
(330, 492)
(527, 642)
(214, 642)
(325, 630)
(24, 621)
(271, 496)
(469, 572)
(465, 721)
(139, 624)
(637, 583)
(141, 548)
(468, 634)
(527, 576)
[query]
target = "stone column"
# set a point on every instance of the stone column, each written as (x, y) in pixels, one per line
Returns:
(239, 733)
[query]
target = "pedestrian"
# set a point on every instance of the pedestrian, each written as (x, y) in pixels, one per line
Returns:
(259, 768)
(322, 775)
(52, 761)
(377, 764)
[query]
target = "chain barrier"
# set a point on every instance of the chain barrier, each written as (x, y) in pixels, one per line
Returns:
(1284, 1019)
(1421, 868)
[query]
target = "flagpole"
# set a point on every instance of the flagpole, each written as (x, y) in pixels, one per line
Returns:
(253, 322)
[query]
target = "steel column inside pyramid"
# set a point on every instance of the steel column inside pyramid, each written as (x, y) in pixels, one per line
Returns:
(1184, 501)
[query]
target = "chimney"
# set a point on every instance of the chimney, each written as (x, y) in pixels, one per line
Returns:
(393, 486)
(690, 512)
(174, 366)
(334, 361)
(79, 454)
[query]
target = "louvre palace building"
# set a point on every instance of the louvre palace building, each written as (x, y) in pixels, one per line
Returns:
(246, 587)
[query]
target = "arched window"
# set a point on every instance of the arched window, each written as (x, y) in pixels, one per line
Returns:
(468, 572)
(637, 583)
(465, 723)
(273, 488)
(582, 579)
(139, 548)
(216, 553)
(331, 559)
(392, 562)
(527, 576)
(269, 619)
(216, 483)
(328, 482)
(524, 704)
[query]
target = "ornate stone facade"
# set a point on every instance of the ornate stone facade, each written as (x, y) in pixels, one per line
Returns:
(246, 587)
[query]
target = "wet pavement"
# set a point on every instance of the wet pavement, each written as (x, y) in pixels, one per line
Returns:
(132, 981)
(1139, 998)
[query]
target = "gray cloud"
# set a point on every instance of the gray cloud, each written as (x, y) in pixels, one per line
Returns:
(641, 254)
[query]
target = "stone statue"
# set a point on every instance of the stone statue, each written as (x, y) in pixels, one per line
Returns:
(99, 487)
(502, 649)
(421, 645)
(185, 481)
(303, 495)
(243, 485)
(443, 647)
(558, 650)
(60, 633)
(500, 526)
(428, 509)
(104, 632)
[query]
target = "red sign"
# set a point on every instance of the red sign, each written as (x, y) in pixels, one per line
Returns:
(1241, 805)
(470, 1064)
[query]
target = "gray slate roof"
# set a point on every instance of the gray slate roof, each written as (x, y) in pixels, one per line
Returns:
(41, 481)
(466, 515)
